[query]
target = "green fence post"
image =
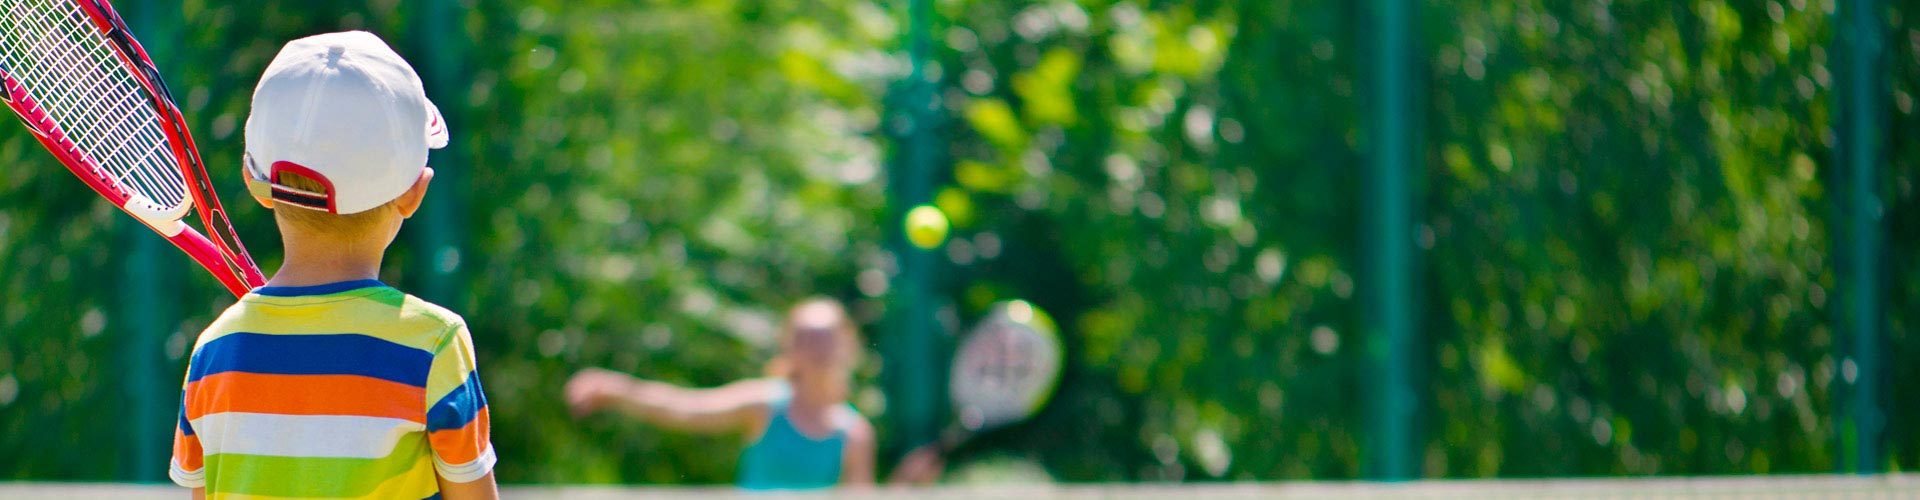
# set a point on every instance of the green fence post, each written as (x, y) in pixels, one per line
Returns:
(911, 346)
(1387, 244)
(440, 227)
(145, 314)
(1859, 125)
(148, 308)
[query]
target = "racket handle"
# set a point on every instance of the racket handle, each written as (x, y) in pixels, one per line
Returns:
(951, 439)
(202, 251)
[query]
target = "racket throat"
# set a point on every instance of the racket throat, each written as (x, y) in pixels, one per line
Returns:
(167, 224)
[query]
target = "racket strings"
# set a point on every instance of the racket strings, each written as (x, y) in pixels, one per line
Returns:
(114, 124)
(999, 375)
(1004, 370)
(128, 124)
(1006, 362)
(71, 69)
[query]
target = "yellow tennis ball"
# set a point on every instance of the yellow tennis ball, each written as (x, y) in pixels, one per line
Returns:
(926, 227)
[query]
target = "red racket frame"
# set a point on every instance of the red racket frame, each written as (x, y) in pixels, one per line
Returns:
(222, 255)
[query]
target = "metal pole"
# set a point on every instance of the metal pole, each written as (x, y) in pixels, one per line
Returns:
(1861, 91)
(912, 348)
(439, 229)
(148, 308)
(1387, 215)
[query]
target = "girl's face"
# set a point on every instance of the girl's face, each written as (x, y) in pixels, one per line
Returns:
(821, 352)
(822, 375)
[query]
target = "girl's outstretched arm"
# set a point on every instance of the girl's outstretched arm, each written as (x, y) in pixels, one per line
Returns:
(734, 407)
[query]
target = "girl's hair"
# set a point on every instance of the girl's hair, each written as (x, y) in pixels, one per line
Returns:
(813, 316)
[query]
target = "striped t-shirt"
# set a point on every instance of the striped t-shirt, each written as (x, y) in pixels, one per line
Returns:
(350, 389)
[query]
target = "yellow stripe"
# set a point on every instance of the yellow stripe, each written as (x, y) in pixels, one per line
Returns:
(417, 324)
(417, 482)
(451, 366)
(236, 496)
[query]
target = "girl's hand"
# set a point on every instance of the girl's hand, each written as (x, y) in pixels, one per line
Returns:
(923, 466)
(589, 389)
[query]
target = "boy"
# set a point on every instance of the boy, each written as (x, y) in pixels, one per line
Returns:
(326, 382)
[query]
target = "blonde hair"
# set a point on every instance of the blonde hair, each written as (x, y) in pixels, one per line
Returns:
(845, 334)
(325, 222)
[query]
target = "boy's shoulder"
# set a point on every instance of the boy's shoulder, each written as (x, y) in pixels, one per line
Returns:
(385, 313)
(430, 313)
(431, 317)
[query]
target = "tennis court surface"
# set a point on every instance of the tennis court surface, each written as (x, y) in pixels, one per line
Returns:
(1890, 486)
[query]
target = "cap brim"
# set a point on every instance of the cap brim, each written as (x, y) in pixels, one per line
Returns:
(436, 127)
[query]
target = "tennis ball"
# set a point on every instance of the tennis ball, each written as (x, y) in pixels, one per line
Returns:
(926, 227)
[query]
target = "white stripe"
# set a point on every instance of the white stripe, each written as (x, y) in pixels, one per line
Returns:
(195, 479)
(328, 436)
(467, 472)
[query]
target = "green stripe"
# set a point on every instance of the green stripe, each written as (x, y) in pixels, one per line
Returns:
(310, 476)
(390, 297)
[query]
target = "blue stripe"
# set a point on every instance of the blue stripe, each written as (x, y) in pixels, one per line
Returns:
(329, 288)
(435, 496)
(186, 427)
(458, 407)
(332, 354)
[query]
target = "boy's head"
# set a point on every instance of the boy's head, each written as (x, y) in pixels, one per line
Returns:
(338, 136)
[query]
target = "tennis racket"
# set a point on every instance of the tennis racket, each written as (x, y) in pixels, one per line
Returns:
(73, 72)
(1004, 371)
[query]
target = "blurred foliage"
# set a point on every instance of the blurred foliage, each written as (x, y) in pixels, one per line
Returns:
(1626, 221)
(1624, 225)
(1901, 190)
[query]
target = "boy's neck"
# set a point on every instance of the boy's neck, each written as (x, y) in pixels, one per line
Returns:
(313, 261)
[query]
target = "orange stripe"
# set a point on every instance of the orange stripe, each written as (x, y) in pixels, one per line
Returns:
(305, 395)
(462, 445)
(187, 450)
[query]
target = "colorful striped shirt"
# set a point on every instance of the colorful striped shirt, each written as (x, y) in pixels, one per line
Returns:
(350, 389)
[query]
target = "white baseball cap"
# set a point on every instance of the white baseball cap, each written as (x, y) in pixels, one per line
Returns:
(342, 109)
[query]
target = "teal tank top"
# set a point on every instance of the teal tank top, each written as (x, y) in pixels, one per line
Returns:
(785, 459)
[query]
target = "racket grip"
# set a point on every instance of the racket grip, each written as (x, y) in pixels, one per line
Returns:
(951, 439)
(198, 247)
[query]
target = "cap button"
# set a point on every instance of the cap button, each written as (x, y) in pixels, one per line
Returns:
(334, 53)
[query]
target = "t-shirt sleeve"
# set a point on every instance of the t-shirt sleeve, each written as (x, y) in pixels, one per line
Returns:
(186, 468)
(457, 426)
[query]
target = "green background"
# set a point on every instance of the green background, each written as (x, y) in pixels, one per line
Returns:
(1624, 217)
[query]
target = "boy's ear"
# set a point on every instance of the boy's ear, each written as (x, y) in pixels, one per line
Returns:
(410, 201)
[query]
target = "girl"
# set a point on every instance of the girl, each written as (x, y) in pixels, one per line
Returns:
(803, 434)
